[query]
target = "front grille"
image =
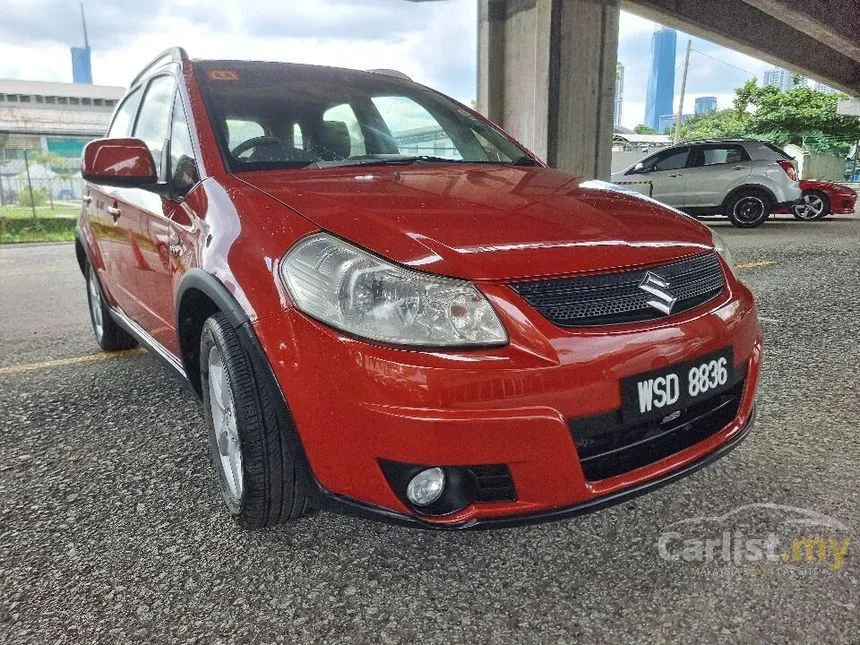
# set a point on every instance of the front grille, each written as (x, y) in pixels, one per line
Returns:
(614, 298)
(494, 483)
(607, 448)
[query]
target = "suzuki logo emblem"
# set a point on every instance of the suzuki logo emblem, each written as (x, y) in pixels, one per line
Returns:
(663, 300)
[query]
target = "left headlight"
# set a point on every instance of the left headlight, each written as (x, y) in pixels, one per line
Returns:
(721, 248)
(359, 293)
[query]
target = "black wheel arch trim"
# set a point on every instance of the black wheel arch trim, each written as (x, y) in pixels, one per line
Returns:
(740, 189)
(215, 290)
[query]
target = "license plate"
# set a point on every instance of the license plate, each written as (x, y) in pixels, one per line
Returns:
(657, 394)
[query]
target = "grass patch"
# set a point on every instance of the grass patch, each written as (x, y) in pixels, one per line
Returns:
(42, 212)
(41, 229)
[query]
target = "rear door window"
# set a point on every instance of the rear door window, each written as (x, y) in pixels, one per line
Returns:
(716, 155)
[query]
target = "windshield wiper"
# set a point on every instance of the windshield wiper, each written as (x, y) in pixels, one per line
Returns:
(526, 161)
(390, 161)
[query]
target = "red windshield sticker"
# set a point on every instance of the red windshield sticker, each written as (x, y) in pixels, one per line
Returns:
(223, 75)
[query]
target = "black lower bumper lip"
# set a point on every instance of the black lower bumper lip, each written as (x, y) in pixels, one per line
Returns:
(349, 506)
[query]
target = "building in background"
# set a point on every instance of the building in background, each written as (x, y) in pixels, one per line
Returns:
(82, 70)
(781, 78)
(705, 104)
(667, 122)
(661, 81)
(619, 93)
(821, 87)
(56, 119)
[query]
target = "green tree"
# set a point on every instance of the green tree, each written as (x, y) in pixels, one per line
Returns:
(799, 115)
(644, 129)
(715, 124)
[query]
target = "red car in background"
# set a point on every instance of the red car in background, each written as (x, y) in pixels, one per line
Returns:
(389, 307)
(822, 198)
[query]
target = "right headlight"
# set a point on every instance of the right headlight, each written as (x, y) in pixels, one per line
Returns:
(721, 248)
(359, 293)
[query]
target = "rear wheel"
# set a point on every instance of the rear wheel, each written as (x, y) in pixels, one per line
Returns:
(749, 208)
(259, 478)
(110, 336)
(812, 206)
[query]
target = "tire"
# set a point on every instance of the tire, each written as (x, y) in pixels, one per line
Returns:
(813, 205)
(749, 208)
(110, 336)
(251, 451)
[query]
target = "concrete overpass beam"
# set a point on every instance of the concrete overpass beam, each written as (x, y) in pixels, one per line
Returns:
(546, 73)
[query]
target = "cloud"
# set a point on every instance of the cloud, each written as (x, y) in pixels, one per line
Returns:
(707, 77)
(435, 43)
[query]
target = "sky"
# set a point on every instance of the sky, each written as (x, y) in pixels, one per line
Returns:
(433, 42)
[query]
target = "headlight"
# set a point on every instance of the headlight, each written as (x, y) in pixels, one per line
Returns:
(721, 248)
(348, 288)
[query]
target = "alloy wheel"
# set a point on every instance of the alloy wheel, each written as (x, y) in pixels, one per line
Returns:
(749, 209)
(810, 207)
(96, 306)
(224, 425)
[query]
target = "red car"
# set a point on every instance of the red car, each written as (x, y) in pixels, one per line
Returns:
(821, 198)
(390, 308)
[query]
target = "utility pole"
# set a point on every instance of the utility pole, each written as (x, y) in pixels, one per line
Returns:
(29, 183)
(683, 89)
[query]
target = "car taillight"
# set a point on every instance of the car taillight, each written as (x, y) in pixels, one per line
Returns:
(789, 169)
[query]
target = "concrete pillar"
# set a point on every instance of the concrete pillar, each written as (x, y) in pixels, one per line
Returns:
(546, 73)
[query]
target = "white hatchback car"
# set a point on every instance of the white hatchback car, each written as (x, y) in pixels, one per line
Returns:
(743, 179)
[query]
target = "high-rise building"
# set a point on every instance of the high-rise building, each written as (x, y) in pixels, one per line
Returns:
(619, 93)
(705, 104)
(781, 78)
(661, 81)
(821, 87)
(82, 71)
(667, 122)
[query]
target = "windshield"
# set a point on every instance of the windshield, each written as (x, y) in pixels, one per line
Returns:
(276, 115)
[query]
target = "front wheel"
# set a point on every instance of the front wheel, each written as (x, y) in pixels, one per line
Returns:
(812, 206)
(258, 474)
(749, 209)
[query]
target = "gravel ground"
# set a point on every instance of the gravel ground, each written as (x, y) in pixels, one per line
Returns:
(111, 530)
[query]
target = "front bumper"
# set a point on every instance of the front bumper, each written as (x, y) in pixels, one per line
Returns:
(356, 405)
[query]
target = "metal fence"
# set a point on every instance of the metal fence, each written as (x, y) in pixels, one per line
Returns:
(37, 181)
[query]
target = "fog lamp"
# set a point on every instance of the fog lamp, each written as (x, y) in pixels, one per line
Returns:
(426, 487)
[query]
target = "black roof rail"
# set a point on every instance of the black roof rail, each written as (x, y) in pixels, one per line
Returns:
(171, 55)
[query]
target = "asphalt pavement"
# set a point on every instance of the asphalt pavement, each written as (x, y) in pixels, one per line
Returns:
(111, 529)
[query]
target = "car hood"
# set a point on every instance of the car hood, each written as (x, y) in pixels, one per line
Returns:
(485, 222)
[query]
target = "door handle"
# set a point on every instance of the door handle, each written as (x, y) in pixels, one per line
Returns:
(739, 167)
(676, 174)
(114, 212)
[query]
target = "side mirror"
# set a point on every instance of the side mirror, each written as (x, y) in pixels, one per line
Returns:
(639, 167)
(119, 162)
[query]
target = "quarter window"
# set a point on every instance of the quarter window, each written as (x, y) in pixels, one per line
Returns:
(124, 117)
(154, 118)
(183, 167)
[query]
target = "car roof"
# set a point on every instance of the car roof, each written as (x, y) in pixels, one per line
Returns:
(177, 55)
